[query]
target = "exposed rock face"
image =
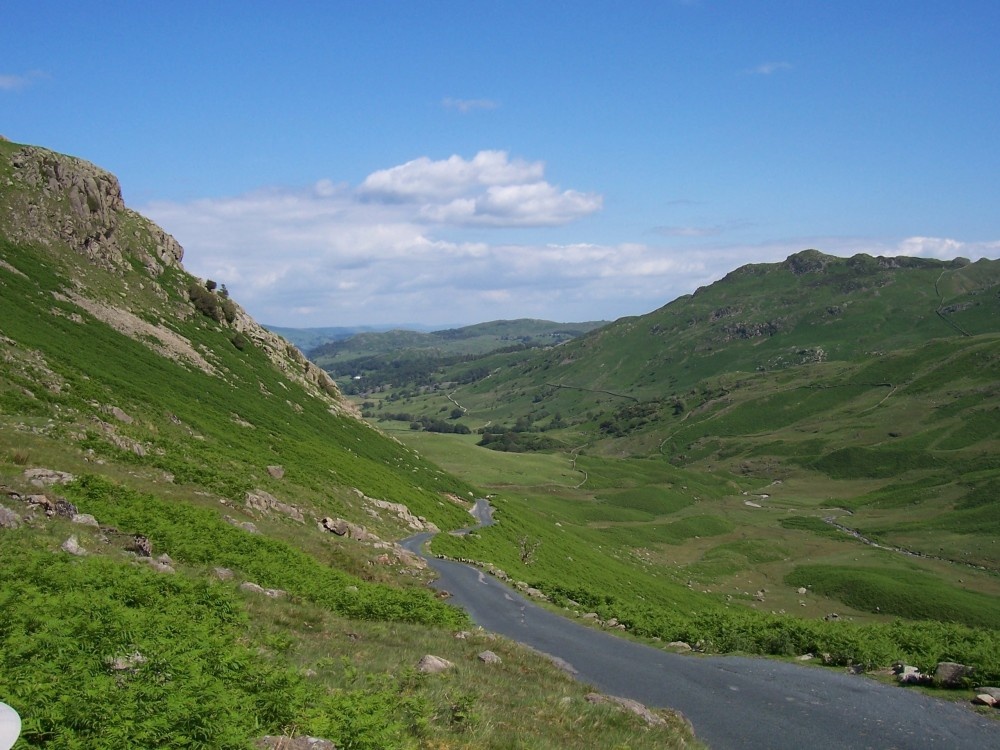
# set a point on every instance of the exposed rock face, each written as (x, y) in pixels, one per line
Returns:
(45, 477)
(60, 200)
(415, 523)
(265, 502)
(57, 201)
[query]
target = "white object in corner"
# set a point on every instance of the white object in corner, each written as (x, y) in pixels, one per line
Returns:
(10, 726)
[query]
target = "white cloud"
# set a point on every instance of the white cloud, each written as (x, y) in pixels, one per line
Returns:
(329, 255)
(944, 248)
(768, 68)
(534, 205)
(427, 180)
(15, 82)
(468, 105)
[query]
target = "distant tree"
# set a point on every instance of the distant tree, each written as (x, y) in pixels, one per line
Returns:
(457, 413)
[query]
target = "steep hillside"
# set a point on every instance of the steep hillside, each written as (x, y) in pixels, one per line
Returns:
(192, 518)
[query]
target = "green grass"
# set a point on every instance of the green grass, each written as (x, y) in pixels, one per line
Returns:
(912, 594)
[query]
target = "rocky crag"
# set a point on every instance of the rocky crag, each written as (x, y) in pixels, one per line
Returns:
(61, 202)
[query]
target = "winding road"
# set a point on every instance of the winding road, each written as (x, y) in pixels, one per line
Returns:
(733, 702)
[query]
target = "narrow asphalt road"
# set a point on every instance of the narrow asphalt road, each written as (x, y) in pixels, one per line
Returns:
(734, 702)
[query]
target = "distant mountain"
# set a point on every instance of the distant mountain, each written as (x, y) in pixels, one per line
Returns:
(311, 338)
(410, 356)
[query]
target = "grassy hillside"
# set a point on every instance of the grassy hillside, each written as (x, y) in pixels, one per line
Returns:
(164, 465)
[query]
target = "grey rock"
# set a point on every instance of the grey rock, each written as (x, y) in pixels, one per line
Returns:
(72, 547)
(121, 416)
(85, 519)
(278, 472)
(223, 574)
(8, 518)
(952, 675)
(265, 502)
(488, 657)
(254, 588)
(430, 664)
(46, 477)
(627, 704)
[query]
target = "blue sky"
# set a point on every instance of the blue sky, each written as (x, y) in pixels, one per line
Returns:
(347, 163)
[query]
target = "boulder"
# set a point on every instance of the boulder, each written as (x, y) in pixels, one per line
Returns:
(430, 664)
(680, 645)
(951, 675)
(990, 691)
(8, 518)
(223, 574)
(277, 472)
(985, 699)
(488, 657)
(627, 704)
(72, 547)
(85, 519)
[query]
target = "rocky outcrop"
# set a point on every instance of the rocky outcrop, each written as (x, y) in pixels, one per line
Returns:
(265, 502)
(60, 200)
(400, 511)
(56, 201)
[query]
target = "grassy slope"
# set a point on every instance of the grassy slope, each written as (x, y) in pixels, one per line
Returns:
(333, 657)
